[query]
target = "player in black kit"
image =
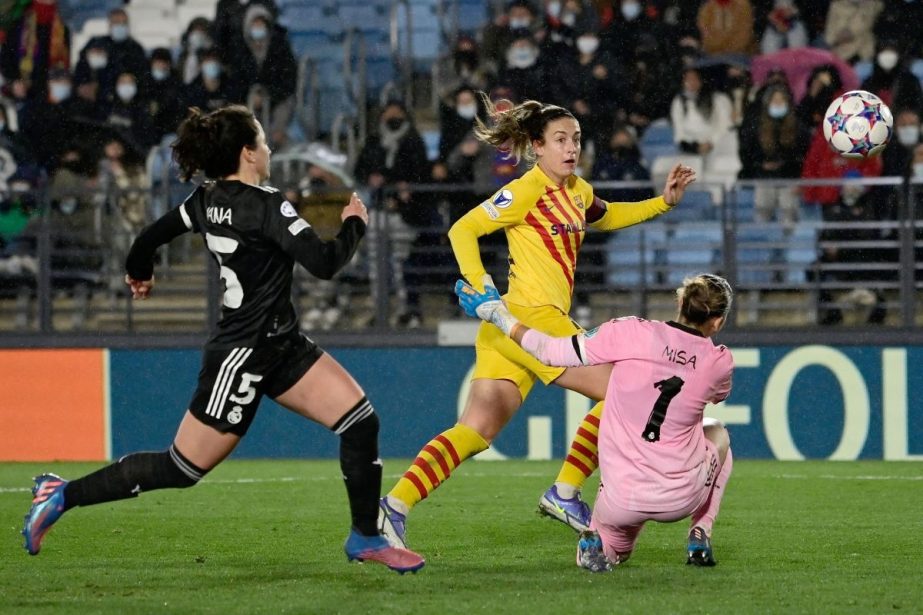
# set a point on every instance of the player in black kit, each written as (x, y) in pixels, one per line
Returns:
(256, 236)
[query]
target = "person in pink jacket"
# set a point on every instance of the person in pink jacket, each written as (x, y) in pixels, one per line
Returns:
(659, 458)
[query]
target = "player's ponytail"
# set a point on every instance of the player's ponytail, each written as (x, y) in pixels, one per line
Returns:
(513, 128)
(211, 142)
(704, 297)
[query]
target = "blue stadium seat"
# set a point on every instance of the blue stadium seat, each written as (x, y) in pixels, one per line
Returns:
(656, 141)
(743, 200)
(800, 253)
(696, 206)
(760, 249)
(472, 15)
(629, 249)
(693, 248)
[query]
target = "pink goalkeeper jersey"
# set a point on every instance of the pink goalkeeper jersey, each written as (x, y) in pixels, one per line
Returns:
(651, 442)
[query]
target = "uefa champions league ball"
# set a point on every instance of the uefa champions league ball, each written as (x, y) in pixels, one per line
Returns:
(858, 124)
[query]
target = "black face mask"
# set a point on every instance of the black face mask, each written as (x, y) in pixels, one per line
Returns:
(395, 123)
(624, 152)
(467, 58)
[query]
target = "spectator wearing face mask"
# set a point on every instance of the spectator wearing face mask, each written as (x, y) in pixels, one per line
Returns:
(196, 39)
(456, 120)
(898, 156)
(848, 30)
(523, 72)
(902, 22)
(784, 28)
(94, 74)
(463, 68)
(36, 42)
(212, 89)
(266, 62)
(630, 24)
(519, 19)
(128, 114)
(112, 55)
(51, 124)
(228, 31)
(164, 104)
(772, 147)
(587, 82)
(892, 81)
(393, 158)
(726, 26)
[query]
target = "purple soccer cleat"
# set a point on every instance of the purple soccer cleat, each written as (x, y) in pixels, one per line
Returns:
(572, 512)
(47, 507)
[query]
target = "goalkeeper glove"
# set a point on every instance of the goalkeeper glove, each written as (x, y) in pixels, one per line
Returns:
(487, 305)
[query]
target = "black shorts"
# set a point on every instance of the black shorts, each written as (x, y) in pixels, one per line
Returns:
(233, 380)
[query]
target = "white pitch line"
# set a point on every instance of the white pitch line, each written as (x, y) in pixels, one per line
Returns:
(293, 479)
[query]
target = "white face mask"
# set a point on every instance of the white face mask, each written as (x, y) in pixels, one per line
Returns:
(587, 44)
(918, 169)
(569, 19)
(553, 8)
(119, 32)
(258, 33)
(197, 39)
(521, 57)
(778, 111)
(467, 111)
(126, 91)
(59, 91)
(908, 135)
(887, 59)
(518, 23)
(97, 60)
(159, 74)
(631, 10)
(211, 69)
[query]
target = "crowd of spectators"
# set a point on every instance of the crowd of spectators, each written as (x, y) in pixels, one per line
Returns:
(80, 123)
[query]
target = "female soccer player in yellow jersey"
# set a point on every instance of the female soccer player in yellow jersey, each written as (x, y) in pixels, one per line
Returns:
(544, 214)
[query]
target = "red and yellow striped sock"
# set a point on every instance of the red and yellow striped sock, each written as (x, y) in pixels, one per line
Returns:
(582, 460)
(436, 461)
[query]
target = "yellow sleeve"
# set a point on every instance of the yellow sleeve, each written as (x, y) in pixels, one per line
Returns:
(507, 207)
(620, 215)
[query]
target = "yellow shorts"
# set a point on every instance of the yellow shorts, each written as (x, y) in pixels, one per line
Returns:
(500, 358)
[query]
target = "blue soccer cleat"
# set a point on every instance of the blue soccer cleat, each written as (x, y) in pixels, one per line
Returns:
(392, 524)
(572, 512)
(378, 549)
(590, 553)
(47, 507)
(699, 548)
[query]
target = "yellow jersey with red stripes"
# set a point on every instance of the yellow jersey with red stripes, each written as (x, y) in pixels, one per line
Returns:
(545, 224)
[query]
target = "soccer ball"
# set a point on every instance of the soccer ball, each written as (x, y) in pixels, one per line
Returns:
(858, 124)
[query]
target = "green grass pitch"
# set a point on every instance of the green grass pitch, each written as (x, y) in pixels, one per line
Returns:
(267, 537)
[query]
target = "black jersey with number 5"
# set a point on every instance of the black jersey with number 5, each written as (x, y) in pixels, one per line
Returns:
(256, 236)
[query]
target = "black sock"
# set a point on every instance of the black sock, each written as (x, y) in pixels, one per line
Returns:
(358, 431)
(131, 475)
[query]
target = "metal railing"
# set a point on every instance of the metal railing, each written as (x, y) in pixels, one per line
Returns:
(70, 281)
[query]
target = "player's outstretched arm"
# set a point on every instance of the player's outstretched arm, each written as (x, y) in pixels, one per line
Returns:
(139, 264)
